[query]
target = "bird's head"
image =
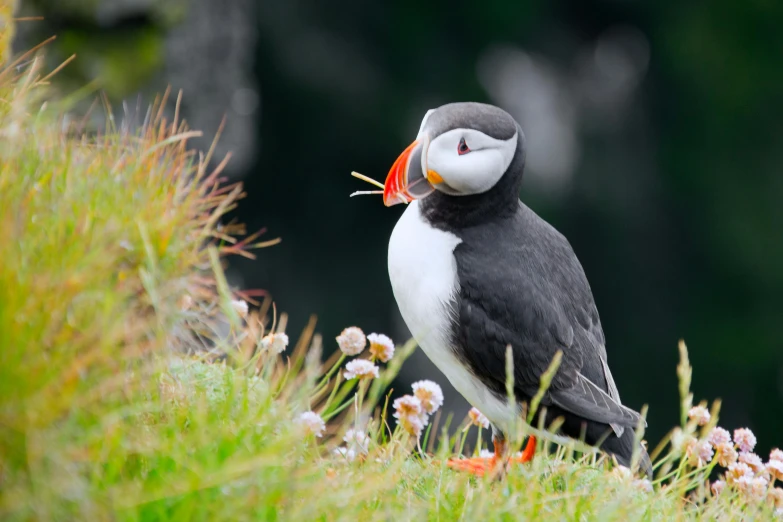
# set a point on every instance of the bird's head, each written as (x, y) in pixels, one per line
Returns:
(462, 149)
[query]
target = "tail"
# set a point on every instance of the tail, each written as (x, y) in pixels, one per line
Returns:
(622, 449)
(594, 432)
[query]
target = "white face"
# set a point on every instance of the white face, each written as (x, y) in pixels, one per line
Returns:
(468, 161)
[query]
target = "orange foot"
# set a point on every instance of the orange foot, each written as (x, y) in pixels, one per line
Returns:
(480, 466)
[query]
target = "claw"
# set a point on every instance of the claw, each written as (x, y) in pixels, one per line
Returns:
(528, 452)
(480, 466)
(477, 465)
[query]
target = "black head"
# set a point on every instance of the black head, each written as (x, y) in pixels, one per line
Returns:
(467, 159)
(487, 119)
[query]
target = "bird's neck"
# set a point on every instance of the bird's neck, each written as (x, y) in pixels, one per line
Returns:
(459, 212)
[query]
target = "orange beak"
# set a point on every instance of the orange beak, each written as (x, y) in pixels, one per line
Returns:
(406, 180)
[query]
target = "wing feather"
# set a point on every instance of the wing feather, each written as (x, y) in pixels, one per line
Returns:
(591, 402)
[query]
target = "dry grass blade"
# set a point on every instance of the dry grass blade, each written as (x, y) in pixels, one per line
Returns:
(367, 179)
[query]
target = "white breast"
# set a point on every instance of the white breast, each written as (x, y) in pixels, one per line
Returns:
(423, 275)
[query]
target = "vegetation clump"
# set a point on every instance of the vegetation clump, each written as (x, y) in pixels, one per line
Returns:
(135, 384)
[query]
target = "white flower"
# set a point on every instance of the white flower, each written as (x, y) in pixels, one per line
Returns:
(275, 342)
(622, 473)
(478, 419)
(717, 487)
(736, 471)
(430, 395)
(643, 484)
(776, 454)
(486, 454)
(361, 369)
(700, 414)
(726, 454)
(413, 425)
(754, 488)
(352, 341)
(407, 405)
(775, 497)
(240, 307)
(775, 468)
(681, 440)
(381, 347)
(346, 453)
(185, 302)
(744, 439)
(410, 414)
(699, 452)
(719, 436)
(752, 460)
(312, 423)
(357, 441)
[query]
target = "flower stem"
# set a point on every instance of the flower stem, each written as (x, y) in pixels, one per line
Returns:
(334, 392)
(327, 416)
(325, 379)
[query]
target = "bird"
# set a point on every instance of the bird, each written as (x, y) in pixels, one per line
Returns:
(474, 271)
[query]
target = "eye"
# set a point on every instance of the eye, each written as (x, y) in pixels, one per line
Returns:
(462, 148)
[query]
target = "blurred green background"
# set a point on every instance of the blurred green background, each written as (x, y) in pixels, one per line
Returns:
(655, 133)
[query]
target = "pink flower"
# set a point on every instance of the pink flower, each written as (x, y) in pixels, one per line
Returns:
(776, 497)
(381, 347)
(699, 452)
(312, 423)
(681, 440)
(717, 487)
(753, 488)
(736, 471)
(719, 436)
(744, 439)
(361, 369)
(275, 342)
(643, 485)
(240, 307)
(357, 441)
(776, 454)
(430, 395)
(726, 454)
(700, 414)
(346, 453)
(352, 341)
(622, 473)
(185, 302)
(775, 468)
(410, 414)
(752, 460)
(478, 419)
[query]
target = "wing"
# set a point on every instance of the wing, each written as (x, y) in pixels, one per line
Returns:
(538, 301)
(613, 392)
(591, 402)
(490, 320)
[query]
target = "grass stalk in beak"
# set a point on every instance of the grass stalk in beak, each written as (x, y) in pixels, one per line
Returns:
(368, 180)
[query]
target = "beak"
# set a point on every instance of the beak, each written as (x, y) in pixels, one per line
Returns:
(406, 180)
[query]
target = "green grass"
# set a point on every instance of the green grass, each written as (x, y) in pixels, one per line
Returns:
(113, 405)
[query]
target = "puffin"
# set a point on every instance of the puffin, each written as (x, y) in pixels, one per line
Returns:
(474, 271)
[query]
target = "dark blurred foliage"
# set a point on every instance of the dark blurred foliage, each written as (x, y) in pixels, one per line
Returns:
(656, 147)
